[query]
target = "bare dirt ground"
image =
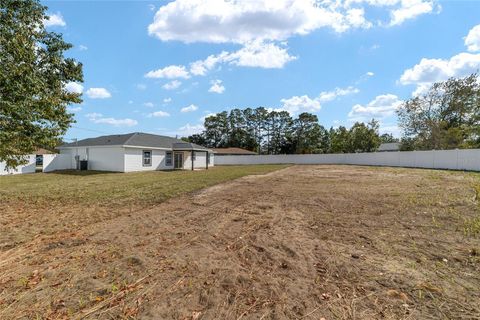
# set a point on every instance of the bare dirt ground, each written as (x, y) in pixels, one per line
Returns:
(305, 242)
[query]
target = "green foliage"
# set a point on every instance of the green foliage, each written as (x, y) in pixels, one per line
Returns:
(33, 74)
(446, 117)
(388, 138)
(276, 132)
(360, 138)
(308, 134)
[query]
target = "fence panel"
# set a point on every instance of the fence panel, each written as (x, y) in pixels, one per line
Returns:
(30, 167)
(442, 159)
(54, 162)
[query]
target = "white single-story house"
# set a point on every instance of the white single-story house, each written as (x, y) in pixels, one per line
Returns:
(136, 152)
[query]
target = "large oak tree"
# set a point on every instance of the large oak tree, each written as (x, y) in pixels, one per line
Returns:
(33, 75)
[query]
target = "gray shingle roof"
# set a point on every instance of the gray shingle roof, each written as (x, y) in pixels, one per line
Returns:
(135, 139)
(187, 146)
(391, 146)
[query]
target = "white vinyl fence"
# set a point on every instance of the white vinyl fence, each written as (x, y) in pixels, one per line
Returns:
(51, 162)
(442, 159)
(27, 168)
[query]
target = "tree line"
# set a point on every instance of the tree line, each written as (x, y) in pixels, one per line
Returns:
(277, 132)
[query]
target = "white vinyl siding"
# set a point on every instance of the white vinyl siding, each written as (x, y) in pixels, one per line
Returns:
(130, 159)
(99, 158)
(134, 160)
(106, 159)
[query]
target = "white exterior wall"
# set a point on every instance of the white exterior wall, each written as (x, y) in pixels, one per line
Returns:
(134, 160)
(99, 158)
(122, 159)
(106, 159)
(30, 167)
(442, 159)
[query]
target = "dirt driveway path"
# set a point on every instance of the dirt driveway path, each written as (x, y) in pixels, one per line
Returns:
(306, 242)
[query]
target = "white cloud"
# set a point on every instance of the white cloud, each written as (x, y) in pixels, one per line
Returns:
(98, 93)
(159, 114)
(93, 115)
(297, 104)
(433, 70)
(169, 72)
(411, 9)
(167, 100)
(254, 54)
(472, 40)
(217, 87)
(356, 18)
(370, 74)
(225, 21)
(189, 108)
(74, 87)
(172, 85)
(99, 119)
(188, 129)
(149, 104)
(55, 19)
(338, 92)
(429, 71)
(82, 47)
(200, 67)
(260, 54)
(380, 107)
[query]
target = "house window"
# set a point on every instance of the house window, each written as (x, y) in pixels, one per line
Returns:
(194, 155)
(168, 158)
(147, 158)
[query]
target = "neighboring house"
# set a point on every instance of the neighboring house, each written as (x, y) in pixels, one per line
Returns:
(232, 152)
(137, 152)
(389, 147)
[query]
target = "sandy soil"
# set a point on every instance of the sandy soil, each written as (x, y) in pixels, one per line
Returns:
(305, 242)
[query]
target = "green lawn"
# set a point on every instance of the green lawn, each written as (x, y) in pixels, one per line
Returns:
(115, 189)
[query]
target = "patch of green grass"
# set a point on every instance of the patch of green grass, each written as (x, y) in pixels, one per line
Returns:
(102, 188)
(471, 227)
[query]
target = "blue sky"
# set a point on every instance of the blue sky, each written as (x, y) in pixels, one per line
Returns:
(161, 66)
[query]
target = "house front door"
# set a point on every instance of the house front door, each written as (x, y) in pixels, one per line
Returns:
(178, 160)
